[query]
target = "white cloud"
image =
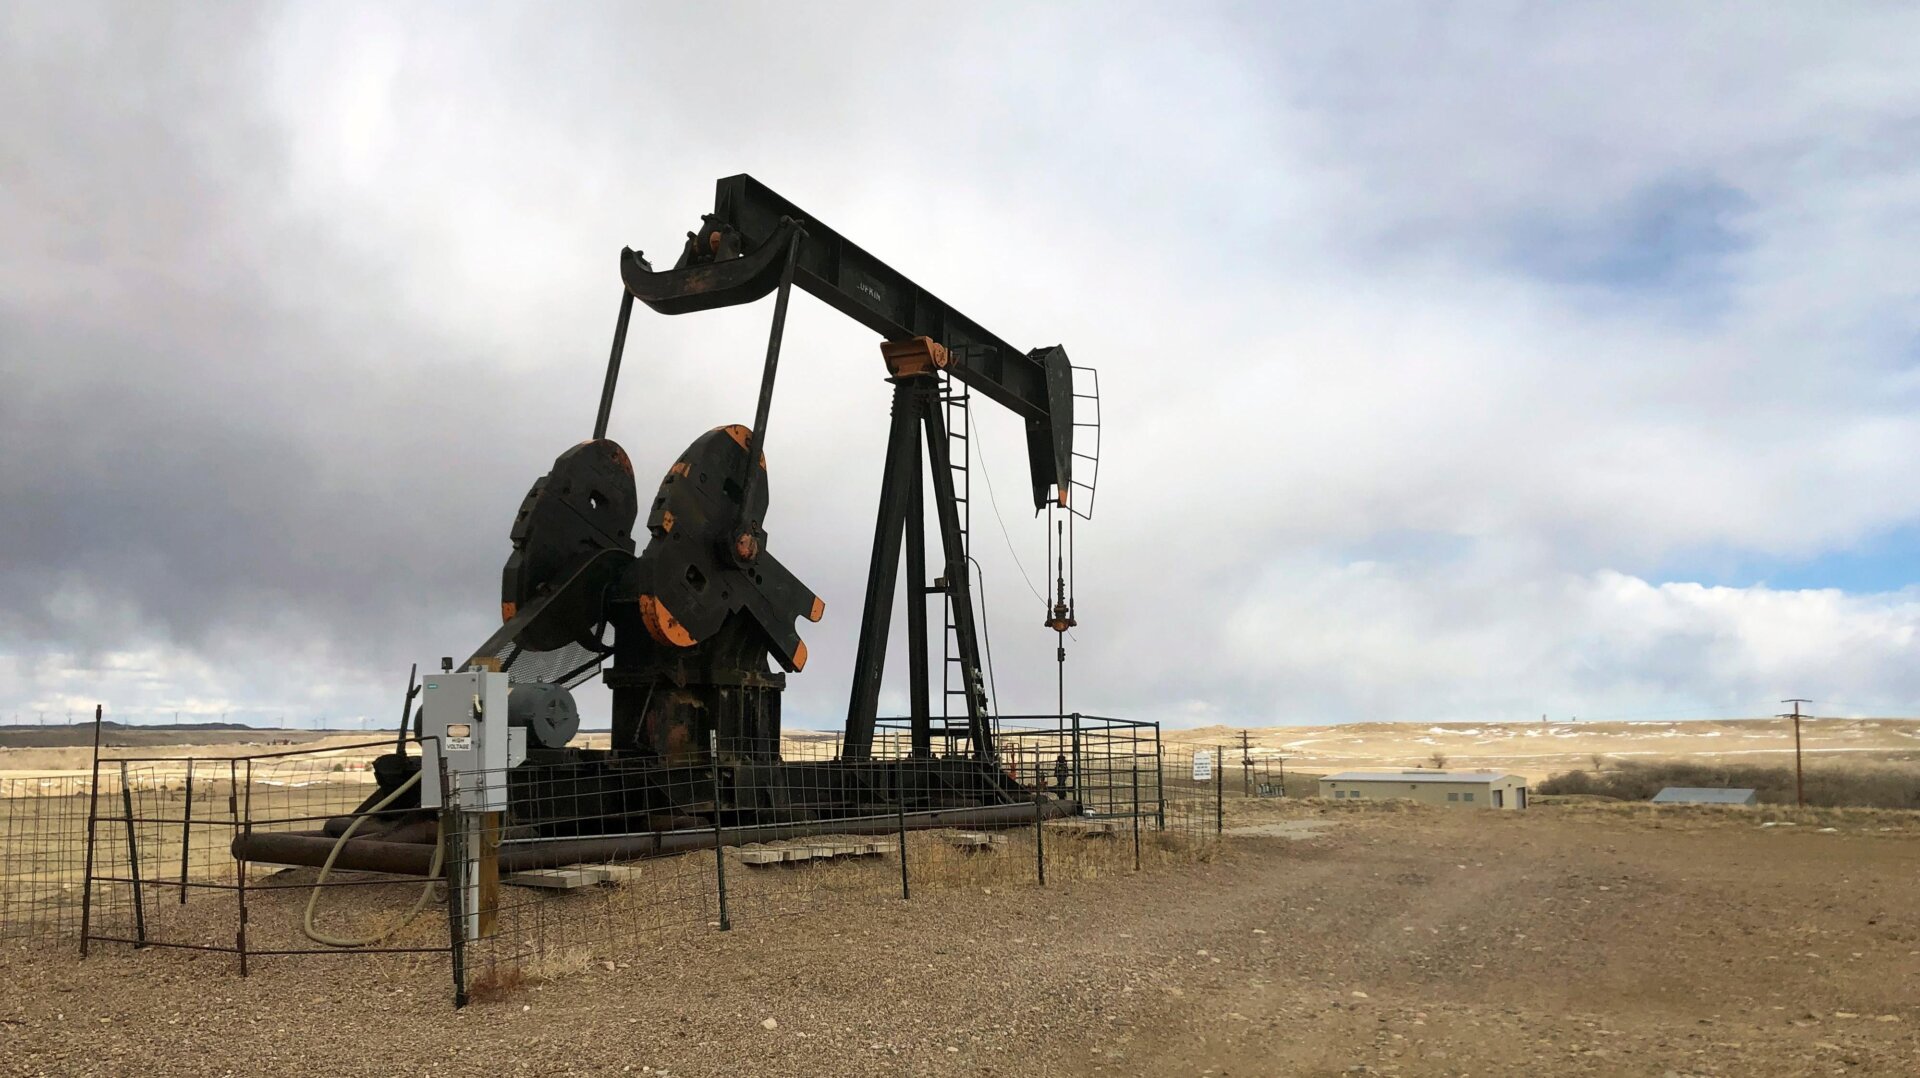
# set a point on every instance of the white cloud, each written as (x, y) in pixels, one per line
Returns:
(1364, 456)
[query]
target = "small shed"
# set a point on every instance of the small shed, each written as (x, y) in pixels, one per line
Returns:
(1432, 786)
(1705, 795)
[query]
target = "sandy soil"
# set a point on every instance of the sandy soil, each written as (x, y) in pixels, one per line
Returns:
(1566, 941)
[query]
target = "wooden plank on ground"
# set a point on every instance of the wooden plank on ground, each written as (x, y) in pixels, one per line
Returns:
(554, 879)
(1091, 828)
(613, 873)
(823, 851)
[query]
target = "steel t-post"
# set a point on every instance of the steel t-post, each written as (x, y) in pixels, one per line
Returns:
(1039, 842)
(1077, 796)
(1219, 793)
(1136, 817)
(900, 822)
(719, 849)
(1159, 780)
(186, 832)
(454, 869)
(240, 863)
(93, 820)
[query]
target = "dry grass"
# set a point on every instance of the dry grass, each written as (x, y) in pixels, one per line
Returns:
(496, 982)
(553, 935)
(1892, 785)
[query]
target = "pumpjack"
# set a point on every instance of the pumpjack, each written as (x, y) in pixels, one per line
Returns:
(703, 616)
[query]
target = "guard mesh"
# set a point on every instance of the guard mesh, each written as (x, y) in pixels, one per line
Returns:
(567, 666)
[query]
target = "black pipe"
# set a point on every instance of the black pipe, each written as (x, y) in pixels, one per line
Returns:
(412, 859)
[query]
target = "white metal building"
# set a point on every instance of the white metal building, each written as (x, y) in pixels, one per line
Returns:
(1432, 786)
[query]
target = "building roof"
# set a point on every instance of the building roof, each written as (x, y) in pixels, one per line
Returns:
(1422, 774)
(1705, 795)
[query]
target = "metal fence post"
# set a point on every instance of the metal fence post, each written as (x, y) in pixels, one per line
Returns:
(454, 868)
(133, 861)
(186, 832)
(719, 851)
(1136, 817)
(1159, 779)
(1078, 795)
(1039, 843)
(900, 821)
(1219, 796)
(93, 819)
(246, 828)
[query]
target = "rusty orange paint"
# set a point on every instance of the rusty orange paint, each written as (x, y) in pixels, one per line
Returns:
(681, 469)
(800, 657)
(620, 458)
(666, 520)
(662, 625)
(918, 355)
(819, 608)
(508, 610)
(740, 434)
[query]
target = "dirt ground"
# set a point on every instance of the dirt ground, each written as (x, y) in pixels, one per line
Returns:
(1564, 940)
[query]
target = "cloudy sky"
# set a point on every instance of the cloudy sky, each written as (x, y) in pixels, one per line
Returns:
(1457, 361)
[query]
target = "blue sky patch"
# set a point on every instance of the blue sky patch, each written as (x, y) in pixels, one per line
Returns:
(1882, 563)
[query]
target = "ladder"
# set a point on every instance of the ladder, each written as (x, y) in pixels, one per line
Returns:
(956, 399)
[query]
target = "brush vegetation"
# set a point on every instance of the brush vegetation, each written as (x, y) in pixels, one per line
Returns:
(1854, 785)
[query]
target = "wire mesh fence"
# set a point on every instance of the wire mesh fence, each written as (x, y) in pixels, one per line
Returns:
(43, 837)
(749, 833)
(532, 871)
(166, 864)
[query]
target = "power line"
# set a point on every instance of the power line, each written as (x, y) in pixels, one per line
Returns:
(986, 633)
(974, 435)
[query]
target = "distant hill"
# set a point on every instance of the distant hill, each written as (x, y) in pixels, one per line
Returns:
(20, 736)
(1539, 749)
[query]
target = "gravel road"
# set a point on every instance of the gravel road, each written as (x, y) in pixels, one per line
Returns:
(1411, 942)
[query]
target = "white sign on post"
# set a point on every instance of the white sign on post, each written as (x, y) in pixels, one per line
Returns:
(1203, 766)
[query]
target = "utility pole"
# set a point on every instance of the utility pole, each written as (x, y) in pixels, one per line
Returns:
(1799, 777)
(1246, 766)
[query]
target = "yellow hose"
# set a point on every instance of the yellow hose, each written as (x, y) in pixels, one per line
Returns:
(426, 890)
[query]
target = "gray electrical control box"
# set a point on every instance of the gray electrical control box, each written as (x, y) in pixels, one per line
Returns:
(464, 717)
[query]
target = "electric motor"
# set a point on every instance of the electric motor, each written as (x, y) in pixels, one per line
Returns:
(548, 713)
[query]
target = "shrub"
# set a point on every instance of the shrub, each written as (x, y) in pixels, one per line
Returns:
(1862, 785)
